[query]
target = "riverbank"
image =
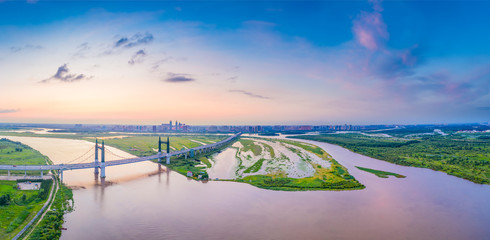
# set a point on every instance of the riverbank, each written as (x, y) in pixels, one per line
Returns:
(19, 207)
(51, 223)
(24, 213)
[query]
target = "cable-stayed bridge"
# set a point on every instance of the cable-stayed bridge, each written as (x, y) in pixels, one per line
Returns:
(81, 161)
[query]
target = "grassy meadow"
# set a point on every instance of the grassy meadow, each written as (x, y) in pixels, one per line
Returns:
(15, 153)
(379, 173)
(21, 206)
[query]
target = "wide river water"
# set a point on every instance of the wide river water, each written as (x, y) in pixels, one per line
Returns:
(141, 201)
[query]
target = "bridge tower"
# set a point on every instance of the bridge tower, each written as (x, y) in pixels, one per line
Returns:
(160, 149)
(102, 161)
(102, 158)
(96, 161)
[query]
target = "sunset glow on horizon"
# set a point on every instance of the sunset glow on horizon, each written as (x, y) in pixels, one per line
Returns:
(256, 62)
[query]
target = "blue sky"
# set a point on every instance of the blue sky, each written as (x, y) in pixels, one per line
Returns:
(245, 62)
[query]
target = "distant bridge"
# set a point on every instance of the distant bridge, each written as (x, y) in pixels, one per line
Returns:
(103, 164)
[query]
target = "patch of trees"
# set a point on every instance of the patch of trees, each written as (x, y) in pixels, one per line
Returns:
(44, 189)
(5, 200)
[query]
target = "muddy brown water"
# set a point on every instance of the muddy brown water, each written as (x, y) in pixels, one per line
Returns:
(145, 203)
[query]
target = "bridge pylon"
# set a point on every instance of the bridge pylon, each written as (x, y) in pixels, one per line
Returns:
(96, 161)
(102, 161)
(160, 149)
(102, 158)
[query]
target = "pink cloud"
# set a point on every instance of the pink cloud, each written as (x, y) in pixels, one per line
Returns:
(370, 29)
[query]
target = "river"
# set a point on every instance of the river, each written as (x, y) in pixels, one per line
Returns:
(145, 203)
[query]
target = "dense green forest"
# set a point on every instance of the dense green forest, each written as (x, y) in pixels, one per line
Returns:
(407, 131)
(462, 155)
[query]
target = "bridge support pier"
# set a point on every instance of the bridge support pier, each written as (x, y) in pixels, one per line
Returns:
(102, 170)
(8, 172)
(42, 173)
(61, 175)
(168, 159)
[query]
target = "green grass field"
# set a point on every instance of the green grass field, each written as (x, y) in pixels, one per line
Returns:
(249, 145)
(255, 167)
(15, 153)
(22, 204)
(21, 208)
(270, 150)
(381, 174)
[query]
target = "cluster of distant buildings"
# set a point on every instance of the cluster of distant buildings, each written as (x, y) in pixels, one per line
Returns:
(165, 127)
(182, 127)
(179, 127)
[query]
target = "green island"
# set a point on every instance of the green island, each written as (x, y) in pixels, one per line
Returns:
(381, 174)
(461, 154)
(19, 207)
(289, 166)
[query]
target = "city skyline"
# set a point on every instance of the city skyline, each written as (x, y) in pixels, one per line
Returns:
(240, 63)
